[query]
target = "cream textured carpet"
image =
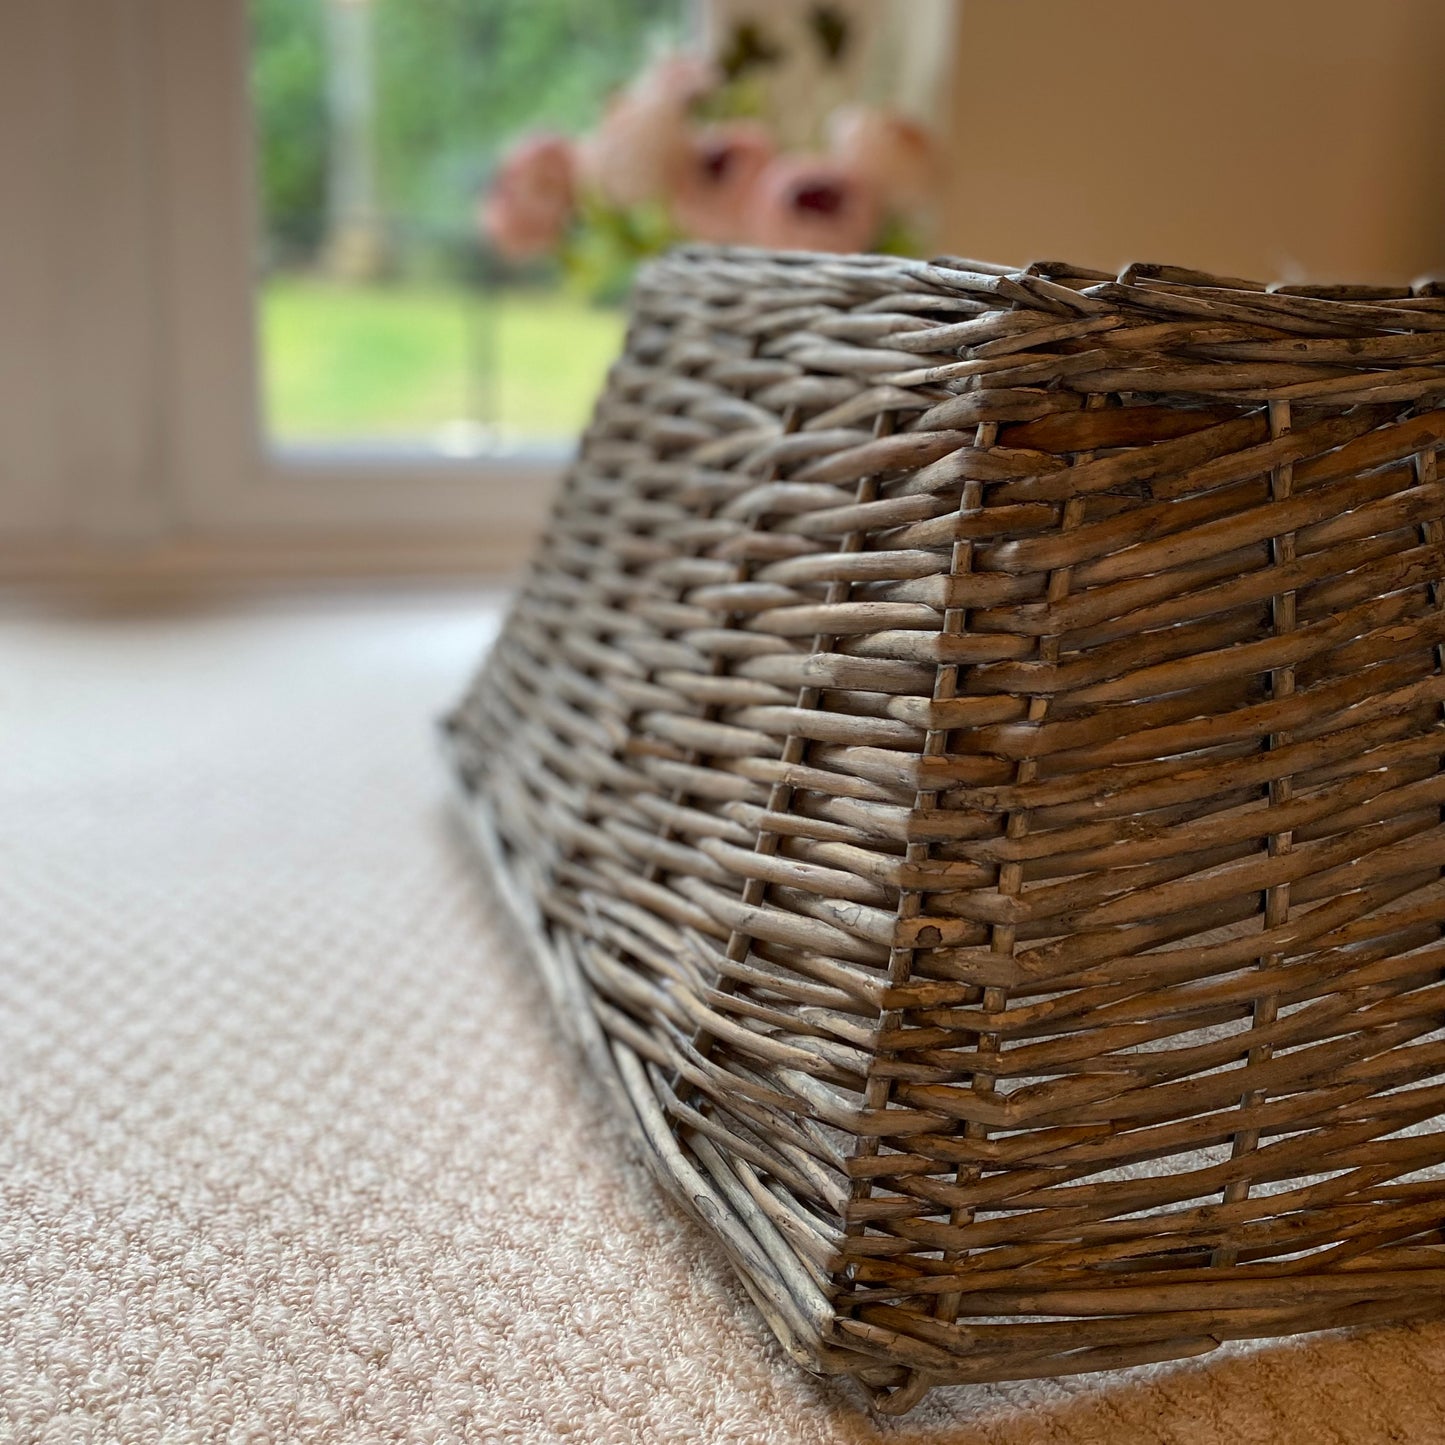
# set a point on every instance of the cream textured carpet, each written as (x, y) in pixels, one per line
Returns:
(288, 1150)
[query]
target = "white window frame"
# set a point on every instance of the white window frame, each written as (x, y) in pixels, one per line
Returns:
(209, 132)
(130, 427)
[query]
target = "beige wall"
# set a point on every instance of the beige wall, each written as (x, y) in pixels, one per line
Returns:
(1278, 139)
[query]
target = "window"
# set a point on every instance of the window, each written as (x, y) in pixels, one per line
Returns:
(382, 320)
(133, 418)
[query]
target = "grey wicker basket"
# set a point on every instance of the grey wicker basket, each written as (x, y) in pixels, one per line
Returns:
(968, 757)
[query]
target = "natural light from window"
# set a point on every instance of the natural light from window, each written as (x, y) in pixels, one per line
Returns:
(383, 321)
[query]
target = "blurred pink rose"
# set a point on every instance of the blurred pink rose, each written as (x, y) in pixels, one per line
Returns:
(713, 186)
(641, 144)
(892, 152)
(531, 199)
(809, 203)
(629, 158)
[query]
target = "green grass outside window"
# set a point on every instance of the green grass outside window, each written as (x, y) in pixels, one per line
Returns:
(343, 363)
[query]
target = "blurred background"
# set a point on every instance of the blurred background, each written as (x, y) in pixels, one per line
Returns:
(389, 309)
(378, 122)
(256, 324)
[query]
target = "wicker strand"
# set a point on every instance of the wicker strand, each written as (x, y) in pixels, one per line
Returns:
(1003, 939)
(695, 756)
(900, 1400)
(1278, 844)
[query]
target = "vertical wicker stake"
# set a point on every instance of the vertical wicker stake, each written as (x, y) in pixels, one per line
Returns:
(968, 759)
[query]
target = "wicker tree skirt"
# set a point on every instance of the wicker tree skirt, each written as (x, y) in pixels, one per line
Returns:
(968, 756)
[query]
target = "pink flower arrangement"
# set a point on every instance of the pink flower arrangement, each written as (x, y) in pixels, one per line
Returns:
(813, 203)
(894, 154)
(635, 153)
(533, 198)
(657, 169)
(716, 179)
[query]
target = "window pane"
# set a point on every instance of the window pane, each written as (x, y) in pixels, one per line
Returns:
(381, 316)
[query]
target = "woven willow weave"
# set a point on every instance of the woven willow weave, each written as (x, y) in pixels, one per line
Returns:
(968, 755)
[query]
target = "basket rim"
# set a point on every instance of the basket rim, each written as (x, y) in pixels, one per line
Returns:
(1066, 286)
